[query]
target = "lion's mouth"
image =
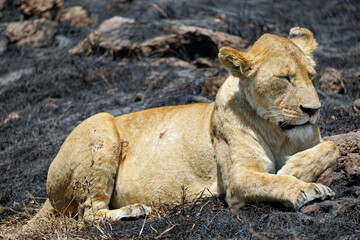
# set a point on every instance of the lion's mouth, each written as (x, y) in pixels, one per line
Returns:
(286, 126)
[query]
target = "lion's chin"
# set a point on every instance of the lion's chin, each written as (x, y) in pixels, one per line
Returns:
(300, 132)
(286, 126)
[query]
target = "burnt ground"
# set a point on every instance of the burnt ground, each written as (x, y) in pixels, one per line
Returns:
(52, 92)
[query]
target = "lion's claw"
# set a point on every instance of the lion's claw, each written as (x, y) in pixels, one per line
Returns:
(314, 191)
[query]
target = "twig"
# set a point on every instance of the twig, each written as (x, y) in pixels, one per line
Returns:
(142, 228)
(102, 75)
(32, 198)
(212, 195)
(103, 230)
(167, 230)
(154, 229)
(160, 10)
(183, 198)
(258, 235)
(212, 219)
(196, 201)
(202, 208)
(99, 228)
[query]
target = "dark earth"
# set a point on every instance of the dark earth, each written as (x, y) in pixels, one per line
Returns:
(46, 91)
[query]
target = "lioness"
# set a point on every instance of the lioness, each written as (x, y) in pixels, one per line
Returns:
(257, 142)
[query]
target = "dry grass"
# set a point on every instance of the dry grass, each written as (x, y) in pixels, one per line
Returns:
(198, 218)
(53, 227)
(13, 226)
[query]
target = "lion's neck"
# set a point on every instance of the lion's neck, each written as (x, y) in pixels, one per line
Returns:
(232, 103)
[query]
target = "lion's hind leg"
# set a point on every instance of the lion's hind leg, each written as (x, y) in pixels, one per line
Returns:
(82, 176)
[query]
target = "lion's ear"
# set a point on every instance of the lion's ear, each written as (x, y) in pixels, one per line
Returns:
(304, 39)
(234, 61)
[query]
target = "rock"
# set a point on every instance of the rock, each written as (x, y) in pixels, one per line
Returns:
(312, 208)
(76, 16)
(345, 206)
(160, 39)
(319, 207)
(50, 102)
(329, 177)
(341, 110)
(339, 206)
(352, 166)
(221, 39)
(48, 9)
(326, 177)
(108, 26)
(30, 34)
(331, 81)
(203, 62)
(347, 143)
(349, 146)
(356, 107)
(174, 62)
(220, 17)
(12, 117)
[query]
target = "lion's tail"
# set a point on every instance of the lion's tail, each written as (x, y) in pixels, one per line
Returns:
(45, 212)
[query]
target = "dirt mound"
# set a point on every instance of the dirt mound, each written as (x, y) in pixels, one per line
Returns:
(48, 9)
(331, 81)
(123, 37)
(30, 34)
(76, 16)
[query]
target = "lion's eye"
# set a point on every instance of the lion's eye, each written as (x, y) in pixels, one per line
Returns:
(286, 78)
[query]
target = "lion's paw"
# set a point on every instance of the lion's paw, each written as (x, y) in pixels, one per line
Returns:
(141, 210)
(131, 211)
(314, 191)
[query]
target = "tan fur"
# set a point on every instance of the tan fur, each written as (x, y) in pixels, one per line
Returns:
(234, 146)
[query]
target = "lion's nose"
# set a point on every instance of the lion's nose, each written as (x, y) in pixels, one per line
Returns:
(309, 110)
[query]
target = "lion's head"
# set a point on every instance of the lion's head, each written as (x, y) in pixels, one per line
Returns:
(277, 75)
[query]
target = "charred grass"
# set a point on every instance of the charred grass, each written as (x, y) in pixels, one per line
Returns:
(203, 216)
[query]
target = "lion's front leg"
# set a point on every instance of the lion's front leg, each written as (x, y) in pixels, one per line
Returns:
(309, 164)
(245, 179)
(250, 186)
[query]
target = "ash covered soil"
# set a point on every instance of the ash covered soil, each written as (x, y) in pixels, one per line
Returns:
(163, 53)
